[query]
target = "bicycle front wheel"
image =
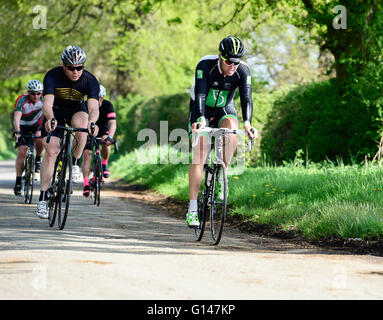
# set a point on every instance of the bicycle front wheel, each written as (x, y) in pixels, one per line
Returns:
(97, 174)
(218, 202)
(52, 190)
(64, 191)
(28, 180)
(198, 232)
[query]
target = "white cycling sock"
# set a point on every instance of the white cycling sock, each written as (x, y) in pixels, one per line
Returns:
(193, 205)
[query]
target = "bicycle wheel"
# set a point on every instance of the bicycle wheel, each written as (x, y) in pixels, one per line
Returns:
(64, 191)
(97, 172)
(202, 214)
(29, 181)
(218, 205)
(52, 190)
(25, 180)
(99, 181)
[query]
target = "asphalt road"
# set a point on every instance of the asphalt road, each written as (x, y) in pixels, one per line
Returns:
(129, 248)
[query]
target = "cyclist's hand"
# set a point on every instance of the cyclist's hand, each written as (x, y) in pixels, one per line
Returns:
(16, 135)
(48, 125)
(201, 127)
(90, 126)
(108, 141)
(251, 132)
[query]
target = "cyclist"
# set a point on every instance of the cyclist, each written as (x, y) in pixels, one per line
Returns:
(107, 125)
(64, 90)
(217, 78)
(27, 119)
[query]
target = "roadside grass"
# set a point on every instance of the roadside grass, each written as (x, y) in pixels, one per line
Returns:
(320, 201)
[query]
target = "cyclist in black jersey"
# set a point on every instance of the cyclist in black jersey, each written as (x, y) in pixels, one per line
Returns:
(217, 78)
(107, 128)
(64, 91)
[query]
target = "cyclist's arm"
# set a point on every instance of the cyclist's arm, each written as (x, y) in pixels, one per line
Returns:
(245, 97)
(93, 110)
(112, 124)
(49, 97)
(16, 121)
(200, 92)
(93, 90)
(48, 106)
(111, 117)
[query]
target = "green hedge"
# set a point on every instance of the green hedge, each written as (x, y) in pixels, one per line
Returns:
(324, 121)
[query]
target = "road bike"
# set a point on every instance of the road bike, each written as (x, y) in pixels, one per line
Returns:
(212, 199)
(60, 187)
(98, 177)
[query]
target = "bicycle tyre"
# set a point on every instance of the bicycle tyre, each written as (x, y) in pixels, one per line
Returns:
(96, 180)
(26, 179)
(64, 192)
(218, 207)
(99, 181)
(31, 178)
(52, 192)
(202, 216)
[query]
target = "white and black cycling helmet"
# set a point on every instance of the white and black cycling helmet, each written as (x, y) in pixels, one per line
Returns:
(34, 85)
(73, 55)
(102, 91)
(231, 48)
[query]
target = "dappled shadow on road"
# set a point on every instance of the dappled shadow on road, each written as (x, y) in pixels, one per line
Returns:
(125, 223)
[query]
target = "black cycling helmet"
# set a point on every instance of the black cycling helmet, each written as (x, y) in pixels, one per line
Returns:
(231, 48)
(73, 55)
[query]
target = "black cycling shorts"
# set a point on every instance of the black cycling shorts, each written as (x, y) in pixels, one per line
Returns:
(213, 115)
(63, 117)
(27, 130)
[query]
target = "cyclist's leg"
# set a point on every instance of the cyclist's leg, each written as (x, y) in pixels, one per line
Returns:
(105, 151)
(39, 149)
(79, 120)
(229, 120)
(20, 159)
(51, 149)
(199, 155)
(38, 144)
(86, 164)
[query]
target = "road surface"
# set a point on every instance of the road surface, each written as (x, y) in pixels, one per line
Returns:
(129, 248)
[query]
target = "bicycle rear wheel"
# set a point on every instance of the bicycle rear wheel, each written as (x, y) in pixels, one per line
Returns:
(218, 205)
(64, 191)
(202, 214)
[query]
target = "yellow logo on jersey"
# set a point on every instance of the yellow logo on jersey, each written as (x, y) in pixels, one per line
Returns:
(68, 94)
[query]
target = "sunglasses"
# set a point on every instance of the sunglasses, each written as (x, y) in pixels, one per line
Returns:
(227, 62)
(79, 68)
(35, 93)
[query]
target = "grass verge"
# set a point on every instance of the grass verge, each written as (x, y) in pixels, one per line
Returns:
(321, 201)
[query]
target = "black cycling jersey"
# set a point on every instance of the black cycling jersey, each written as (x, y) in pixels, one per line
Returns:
(214, 90)
(70, 94)
(106, 113)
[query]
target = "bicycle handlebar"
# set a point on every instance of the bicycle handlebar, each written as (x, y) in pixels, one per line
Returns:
(70, 129)
(222, 131)
(98, 140)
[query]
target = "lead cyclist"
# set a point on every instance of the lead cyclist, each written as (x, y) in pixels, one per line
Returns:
(217, 78)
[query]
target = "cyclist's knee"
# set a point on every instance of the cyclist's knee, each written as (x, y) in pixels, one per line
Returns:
(230, 123)
(52, 149)
(22, 151)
